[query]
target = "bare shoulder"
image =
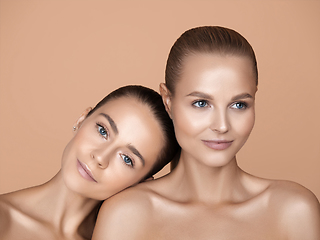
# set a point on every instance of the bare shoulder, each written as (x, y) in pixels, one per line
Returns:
(291, 193)
(13, 214)
(130, 201)
(125, 215)
(298, 209)
(5, 216)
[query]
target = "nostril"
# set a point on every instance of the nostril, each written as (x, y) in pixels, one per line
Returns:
(99, 157)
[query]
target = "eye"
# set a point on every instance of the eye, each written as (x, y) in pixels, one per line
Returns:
(200, 104)
(239, 105)
(102, 131)
(127, 160)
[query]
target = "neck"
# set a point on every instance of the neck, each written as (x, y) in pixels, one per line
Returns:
(199, 182)
(63, 209)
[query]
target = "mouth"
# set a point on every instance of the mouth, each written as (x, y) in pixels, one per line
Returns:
(84, 171)
(217, 144)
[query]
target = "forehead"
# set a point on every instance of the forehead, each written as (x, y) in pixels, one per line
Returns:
(213, 72)
(136, 125)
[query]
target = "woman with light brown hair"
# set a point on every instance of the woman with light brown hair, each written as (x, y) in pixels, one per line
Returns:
(125, 139)
(209, 93)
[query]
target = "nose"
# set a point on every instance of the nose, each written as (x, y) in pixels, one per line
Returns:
(220, 122)
(101, 156)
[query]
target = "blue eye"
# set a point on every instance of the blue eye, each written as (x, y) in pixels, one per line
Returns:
(127, 160)
(102, 131)
(239, 105)
(200, 104)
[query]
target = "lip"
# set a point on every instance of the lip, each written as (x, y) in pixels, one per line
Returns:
(217, 144)
(85, 171)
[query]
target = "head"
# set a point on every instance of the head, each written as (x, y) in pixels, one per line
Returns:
(127, 137)
(211, 79)
(211, 40)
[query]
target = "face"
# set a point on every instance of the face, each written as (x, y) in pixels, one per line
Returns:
(213, 107)
(113, 148)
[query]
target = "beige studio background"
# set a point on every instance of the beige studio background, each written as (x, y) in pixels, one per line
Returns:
(59, 57)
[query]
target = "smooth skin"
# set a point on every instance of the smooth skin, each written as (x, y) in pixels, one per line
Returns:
(208, 196)
(108, 143)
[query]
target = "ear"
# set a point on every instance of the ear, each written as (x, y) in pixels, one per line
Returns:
(82, 117)
(166, 97)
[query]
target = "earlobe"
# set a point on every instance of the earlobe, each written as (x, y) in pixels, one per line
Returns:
(166, 97)
(82, 117)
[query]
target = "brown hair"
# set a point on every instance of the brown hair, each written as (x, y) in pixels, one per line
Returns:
(206, 39)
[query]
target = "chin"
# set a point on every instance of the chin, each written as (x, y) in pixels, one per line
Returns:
(217, 158)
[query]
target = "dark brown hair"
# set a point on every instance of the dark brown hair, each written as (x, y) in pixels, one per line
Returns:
(154, 101)
(206, 39)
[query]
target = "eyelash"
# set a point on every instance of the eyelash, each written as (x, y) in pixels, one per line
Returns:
(100, 127)
(196, 104)
(130, 162)
(245, 105)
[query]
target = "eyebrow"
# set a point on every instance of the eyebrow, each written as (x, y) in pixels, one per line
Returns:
(200, 95)
(241, 96)
(136, 152)
(111, 122)
(207, 96)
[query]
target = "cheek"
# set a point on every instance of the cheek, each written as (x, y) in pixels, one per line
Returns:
(67, 152)
(118, 176)
(245, 124)
(84, 140)
(184, 124)
(116, 181)
(188, 123)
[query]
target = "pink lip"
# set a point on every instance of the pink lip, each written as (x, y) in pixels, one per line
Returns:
(84, 171)
(217, 144)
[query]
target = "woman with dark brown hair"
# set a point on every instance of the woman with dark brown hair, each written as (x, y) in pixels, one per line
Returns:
(125, 139)
(209, 93)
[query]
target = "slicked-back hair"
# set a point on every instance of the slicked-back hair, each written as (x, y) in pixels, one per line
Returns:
(206, 39)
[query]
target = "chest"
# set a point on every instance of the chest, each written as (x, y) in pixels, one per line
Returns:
(200, 222)
(24, 227)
